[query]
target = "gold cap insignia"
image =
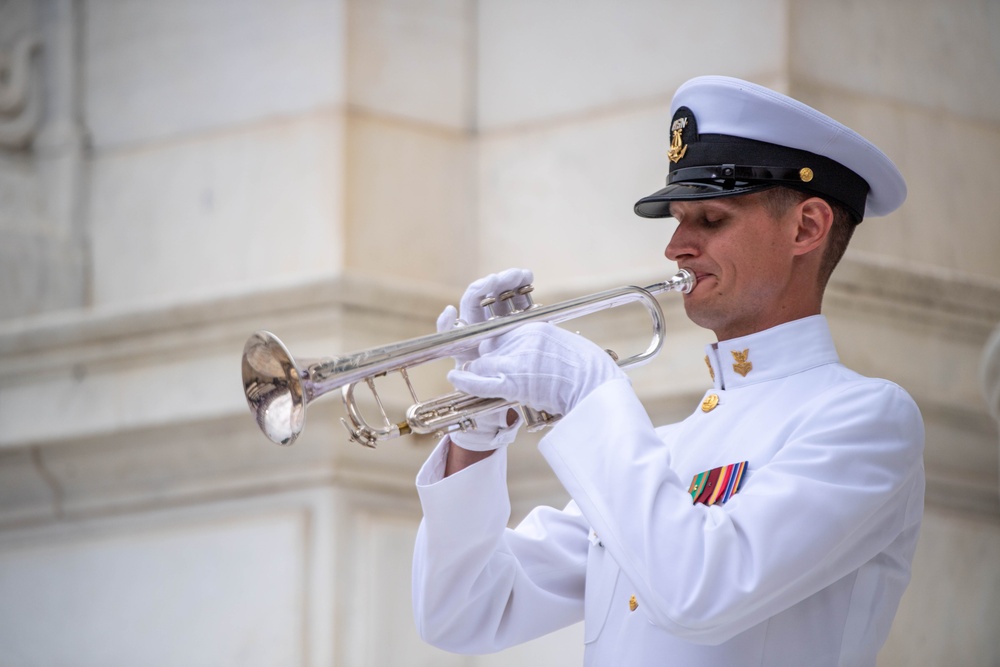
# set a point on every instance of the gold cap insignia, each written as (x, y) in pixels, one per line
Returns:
(742, 366)
(806, 174)
(677, 147)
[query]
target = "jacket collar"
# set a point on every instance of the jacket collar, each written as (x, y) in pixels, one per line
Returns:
(772, 354)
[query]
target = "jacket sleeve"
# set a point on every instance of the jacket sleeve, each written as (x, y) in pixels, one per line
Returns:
(478, 586)
(844, 484)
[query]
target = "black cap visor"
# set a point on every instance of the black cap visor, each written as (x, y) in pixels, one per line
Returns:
(657, 205)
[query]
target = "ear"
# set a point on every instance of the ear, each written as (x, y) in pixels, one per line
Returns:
(814, 217)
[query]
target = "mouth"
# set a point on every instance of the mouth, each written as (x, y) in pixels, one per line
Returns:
(700, 277)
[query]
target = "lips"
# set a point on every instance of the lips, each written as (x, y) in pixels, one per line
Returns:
(699, 275)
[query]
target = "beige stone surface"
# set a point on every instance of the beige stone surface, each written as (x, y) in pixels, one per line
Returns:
(941, 57)
(949, 613)
(237, 209)
(413, 60)
(539, 61)
(950, 214)
(411, 196)
(558, 199)
(233, 583)
(179, 68)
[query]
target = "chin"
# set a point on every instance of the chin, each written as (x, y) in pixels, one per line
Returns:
(700, 315)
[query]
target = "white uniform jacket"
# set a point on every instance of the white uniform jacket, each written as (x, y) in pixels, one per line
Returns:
(804, 565)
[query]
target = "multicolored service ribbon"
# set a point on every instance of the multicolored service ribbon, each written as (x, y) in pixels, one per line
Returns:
(717, 485)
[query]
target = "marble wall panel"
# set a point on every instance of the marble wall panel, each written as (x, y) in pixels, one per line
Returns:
(951, 610)
(18, 17)
(559, 199)
(238, 209)
(411, 197)
(941, 56)
(39, 274)
(412, 60)
(950, 217)
(544, 60)
(381, 591)
(154, 70)
(178, 588)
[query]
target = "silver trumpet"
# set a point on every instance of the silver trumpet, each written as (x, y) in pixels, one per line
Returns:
(278, 390)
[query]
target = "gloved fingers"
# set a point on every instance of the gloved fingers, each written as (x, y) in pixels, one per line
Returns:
(512, 279)
(541, 391)
(469, 308)
(538, 365)
(492, 285)
(546, 341)
(446, 320)
(484, 386)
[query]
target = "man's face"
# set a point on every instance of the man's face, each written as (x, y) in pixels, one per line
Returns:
(742, 257)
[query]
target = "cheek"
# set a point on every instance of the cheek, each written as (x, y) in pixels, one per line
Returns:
(749, 259)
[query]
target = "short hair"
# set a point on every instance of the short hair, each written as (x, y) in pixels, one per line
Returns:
(779, 199)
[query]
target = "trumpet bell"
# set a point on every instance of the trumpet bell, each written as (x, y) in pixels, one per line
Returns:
(273, 387)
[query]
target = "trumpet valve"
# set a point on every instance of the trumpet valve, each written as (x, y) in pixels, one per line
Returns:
(525, 291)
(490, 303)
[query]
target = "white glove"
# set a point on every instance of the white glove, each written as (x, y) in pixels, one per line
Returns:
(498, 428)
(470, 312)
(538, 365)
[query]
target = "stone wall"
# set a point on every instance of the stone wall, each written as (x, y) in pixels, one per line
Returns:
(176, 175)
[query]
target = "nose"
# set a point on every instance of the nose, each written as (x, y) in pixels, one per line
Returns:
(681, 245)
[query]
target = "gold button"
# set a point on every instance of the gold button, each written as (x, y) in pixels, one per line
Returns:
(710, 402)
(633, 604)
(806, 174)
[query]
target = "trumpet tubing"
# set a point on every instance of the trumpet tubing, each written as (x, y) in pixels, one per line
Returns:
(278, 389)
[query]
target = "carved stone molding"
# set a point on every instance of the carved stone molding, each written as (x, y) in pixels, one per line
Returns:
(43, 257)
(20, 93)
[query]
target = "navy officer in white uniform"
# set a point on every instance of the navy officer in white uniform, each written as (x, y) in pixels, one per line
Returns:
(776, 524)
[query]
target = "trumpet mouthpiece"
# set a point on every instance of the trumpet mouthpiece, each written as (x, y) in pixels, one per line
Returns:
(683, 281)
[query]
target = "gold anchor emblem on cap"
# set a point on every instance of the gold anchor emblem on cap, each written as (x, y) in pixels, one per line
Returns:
(742, 366)
(677, 147)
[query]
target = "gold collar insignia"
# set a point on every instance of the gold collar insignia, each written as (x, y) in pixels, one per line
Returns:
(742, 366)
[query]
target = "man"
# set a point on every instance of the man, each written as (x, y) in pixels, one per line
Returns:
(777, 523)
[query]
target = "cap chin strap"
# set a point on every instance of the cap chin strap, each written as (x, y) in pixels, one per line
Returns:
(730, 173)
